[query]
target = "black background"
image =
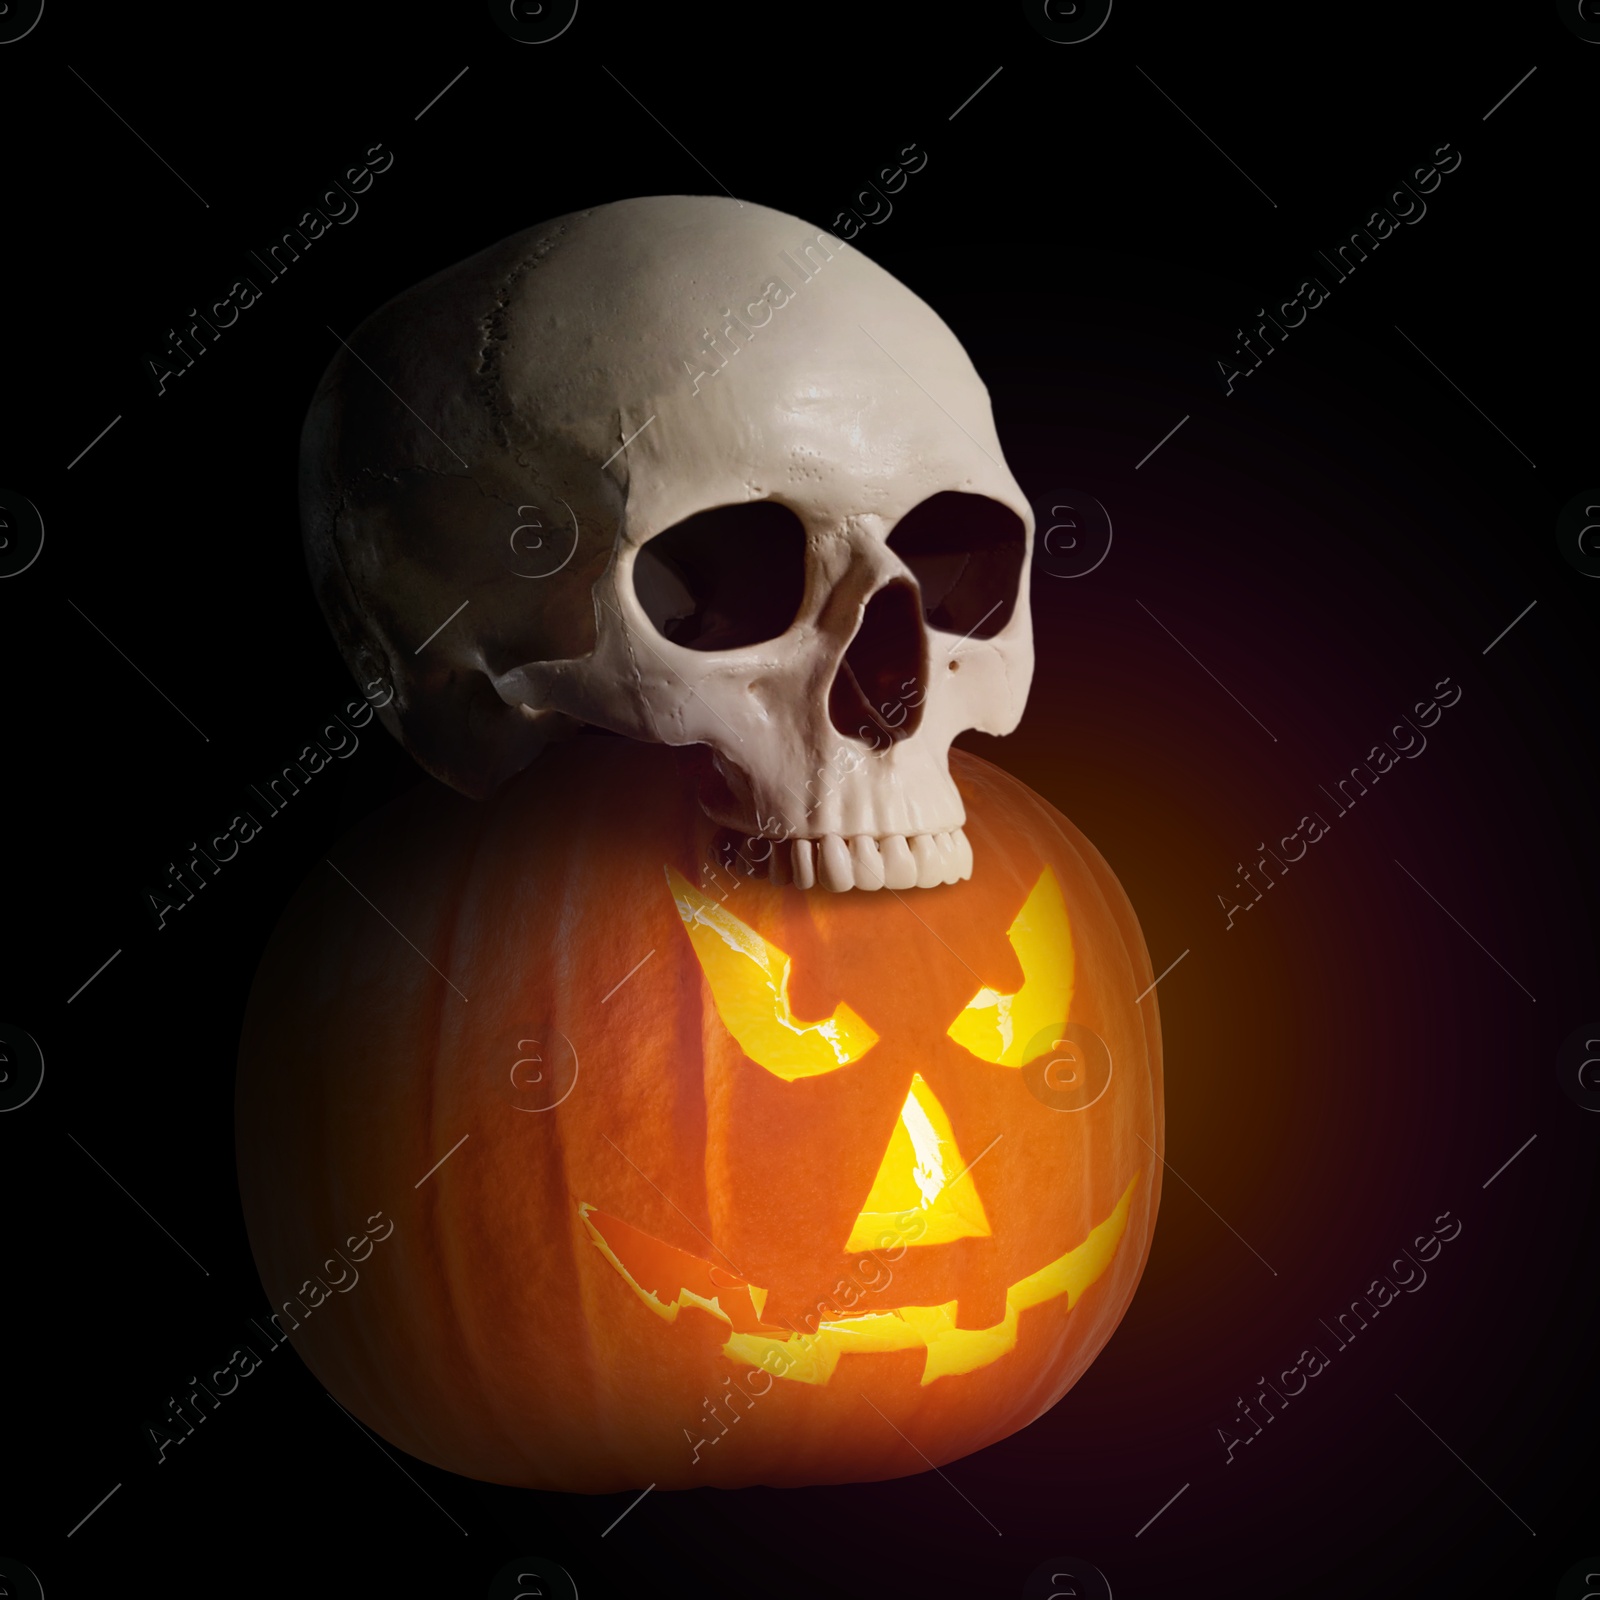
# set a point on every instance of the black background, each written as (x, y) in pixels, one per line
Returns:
(1329, 540)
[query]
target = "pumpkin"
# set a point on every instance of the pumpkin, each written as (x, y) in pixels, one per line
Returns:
(683, 1177)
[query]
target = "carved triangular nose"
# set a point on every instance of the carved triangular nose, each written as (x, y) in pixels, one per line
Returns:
(878, 691)
(923, 1193)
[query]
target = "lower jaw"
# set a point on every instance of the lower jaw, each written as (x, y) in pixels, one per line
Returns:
(838, 862)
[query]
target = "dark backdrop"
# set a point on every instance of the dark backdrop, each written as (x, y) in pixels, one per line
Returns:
(1288, 574)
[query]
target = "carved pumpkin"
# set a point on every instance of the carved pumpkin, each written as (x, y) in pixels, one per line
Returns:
(696, 1179)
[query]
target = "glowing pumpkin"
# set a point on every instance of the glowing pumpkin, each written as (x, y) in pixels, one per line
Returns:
(695, 1179)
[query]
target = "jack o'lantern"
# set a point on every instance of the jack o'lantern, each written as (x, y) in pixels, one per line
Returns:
(696, 1179)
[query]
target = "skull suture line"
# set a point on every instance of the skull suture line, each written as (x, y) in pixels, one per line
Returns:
(801, 550)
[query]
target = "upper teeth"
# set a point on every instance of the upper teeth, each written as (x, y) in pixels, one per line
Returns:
(864, 862)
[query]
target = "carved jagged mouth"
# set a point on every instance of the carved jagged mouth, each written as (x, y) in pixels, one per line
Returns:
(889, 861)
(667, 1279)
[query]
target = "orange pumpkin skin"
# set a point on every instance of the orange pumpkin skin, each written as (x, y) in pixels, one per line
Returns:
(489, 1334)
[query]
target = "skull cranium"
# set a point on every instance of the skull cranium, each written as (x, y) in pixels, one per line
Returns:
(695, 472)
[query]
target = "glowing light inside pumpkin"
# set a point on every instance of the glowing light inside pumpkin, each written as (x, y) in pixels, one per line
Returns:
(749, 981)
(1002, 1028)
(922, 1170)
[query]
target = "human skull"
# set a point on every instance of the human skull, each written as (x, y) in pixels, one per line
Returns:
(695, 472)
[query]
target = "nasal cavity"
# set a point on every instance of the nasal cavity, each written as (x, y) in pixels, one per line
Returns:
(878, 691)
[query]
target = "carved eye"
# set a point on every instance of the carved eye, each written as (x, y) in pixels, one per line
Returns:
(1009, 1030)
(749, 981)
(965, 552)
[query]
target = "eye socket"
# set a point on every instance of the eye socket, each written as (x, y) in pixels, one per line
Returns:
(1009, 1030)
(749, 981)
(724, 578)
(965, 551)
